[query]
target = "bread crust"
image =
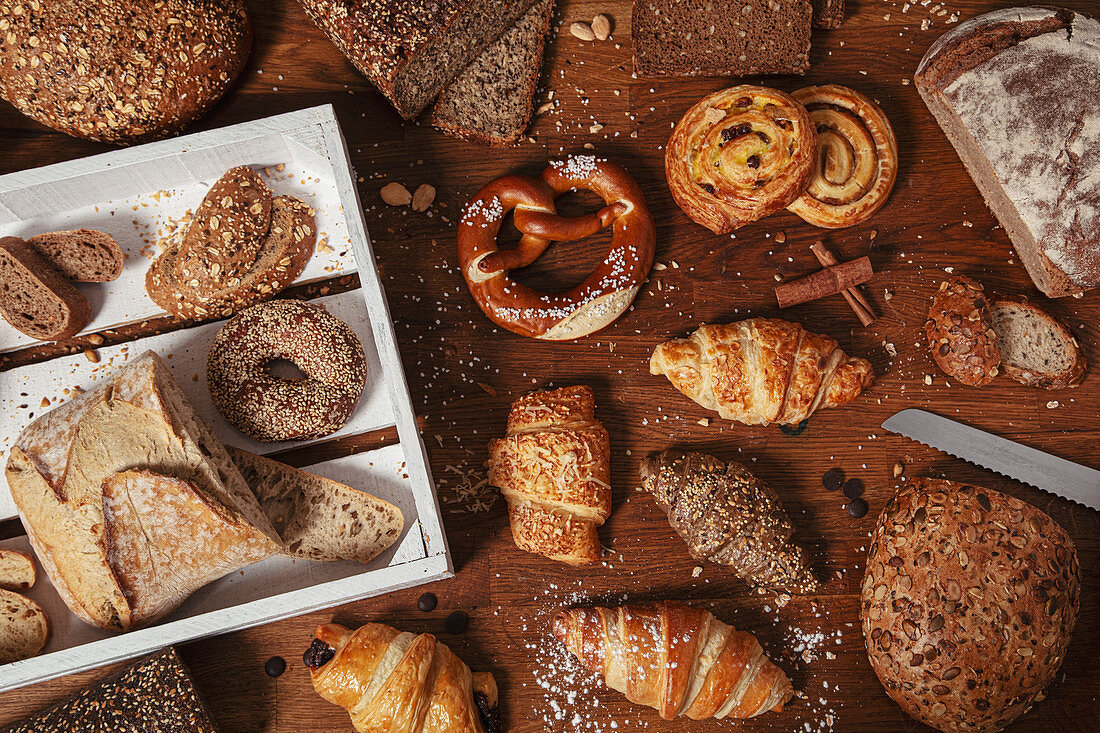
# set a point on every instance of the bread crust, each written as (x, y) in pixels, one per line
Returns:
(960, 332)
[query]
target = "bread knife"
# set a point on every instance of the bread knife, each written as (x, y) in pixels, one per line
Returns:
(1042, 470)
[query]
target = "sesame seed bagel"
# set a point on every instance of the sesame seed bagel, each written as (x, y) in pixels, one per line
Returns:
(270, 408)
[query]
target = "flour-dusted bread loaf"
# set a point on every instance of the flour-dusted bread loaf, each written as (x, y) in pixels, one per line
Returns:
(138, 419)
(318, 518)
(17, 571)
(411, 49)
(24, 627)
(81, 255)
(156, 695)
(968, 603)
(35, 298)
(120, 71)
(960, 332)
(1036, 348)
(492, 100)
(1040, 68)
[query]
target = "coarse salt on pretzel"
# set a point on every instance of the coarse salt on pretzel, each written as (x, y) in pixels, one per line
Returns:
(604, 295)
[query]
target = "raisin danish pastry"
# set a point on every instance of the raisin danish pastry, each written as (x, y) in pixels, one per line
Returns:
(739, 155)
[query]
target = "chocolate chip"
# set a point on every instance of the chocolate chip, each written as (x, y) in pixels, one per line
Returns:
(763, 136)
(318, 655)
(708, 188)
(427, 602)
(744, 102)
(737, 131)
(853, 488)
(457, 622)
(857, 508)
(832, 479)
(753, 161)
(275, 666)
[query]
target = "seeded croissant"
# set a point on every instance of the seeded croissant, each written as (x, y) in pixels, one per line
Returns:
(730, 517)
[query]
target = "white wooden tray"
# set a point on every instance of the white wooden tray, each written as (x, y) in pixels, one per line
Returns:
(279, 587)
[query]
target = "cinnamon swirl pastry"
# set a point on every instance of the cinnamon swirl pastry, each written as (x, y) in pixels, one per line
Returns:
(739, 155)
(857, 158)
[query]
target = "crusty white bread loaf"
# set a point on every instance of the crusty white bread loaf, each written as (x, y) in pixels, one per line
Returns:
(318, 518)
(1036, 348)
(16, 570)
(137, 419)
(24, 627)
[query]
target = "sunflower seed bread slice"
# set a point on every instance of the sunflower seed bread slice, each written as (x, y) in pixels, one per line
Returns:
(81, 255)
(35, 298)
(24, 627)
(1036, 348)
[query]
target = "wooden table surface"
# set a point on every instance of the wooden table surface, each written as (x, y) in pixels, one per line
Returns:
(464, 373)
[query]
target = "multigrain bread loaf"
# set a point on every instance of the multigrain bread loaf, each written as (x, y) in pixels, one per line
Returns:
(968, 603)
(81, 255)
(35, 298)
(120, 71)
(137, 419)
(156, 695)
(1036, 348)
(16, 570)
(411, 49)
(1040, 68)
(492, 100)
(705, 38)
(24, 627)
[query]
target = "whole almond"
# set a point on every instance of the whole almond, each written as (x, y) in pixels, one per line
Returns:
(395, 194)
(601, 27)
(582, 31)
(423, 197)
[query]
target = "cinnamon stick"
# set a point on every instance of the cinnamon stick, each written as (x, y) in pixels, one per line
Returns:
(854, 295)
(830, 281)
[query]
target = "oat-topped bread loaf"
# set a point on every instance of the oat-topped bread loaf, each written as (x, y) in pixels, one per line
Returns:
(130, 502)
(120, 71)
(1015, 91)
(411, 49)
(702, 38)
(968, 603)
(156, 695)
(492, 100)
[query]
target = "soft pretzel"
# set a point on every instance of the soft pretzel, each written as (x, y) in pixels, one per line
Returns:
(604, 295)
(857, 158)
(739, 155)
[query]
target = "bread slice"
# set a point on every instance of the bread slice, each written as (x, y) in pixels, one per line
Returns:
(16, 570)
(81, 255)
(35, 298)
(24, 627)
(283, 255)
(492, 100)
(1036, 348)
(702, 38)
(317, 518)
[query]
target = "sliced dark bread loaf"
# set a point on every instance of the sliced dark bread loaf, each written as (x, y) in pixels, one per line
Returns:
(702, 38)
(17, 570)
(24, 627)
(281, 258)
(156, 695)
(317, 518)
(828, 13)
(82, 255)
(492, 100)
(35, 298)
(1036, 348)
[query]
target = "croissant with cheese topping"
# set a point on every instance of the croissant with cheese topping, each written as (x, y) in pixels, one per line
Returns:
(553, 467)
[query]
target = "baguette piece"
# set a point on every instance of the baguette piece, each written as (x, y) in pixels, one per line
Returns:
(1036, 348)
(24, 627)
(17, 571)
(318, 518)
(81, 255)
(35, 298)
(492, 100)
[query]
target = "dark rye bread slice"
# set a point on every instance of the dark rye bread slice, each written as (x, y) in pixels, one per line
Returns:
(283, 255)
(81, 255)
(1040, 68)
(492, 100)
(411, 49)
(156, 695)
(710, 38)
(828, 13)
(35, 298)
(1036, 348)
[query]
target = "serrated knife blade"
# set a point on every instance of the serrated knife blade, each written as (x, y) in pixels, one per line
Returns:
(1042, 470)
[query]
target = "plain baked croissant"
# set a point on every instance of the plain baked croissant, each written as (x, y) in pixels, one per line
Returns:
(392, 681)
(675, 658)
(553, 467)
(727, 515)
(762, 371)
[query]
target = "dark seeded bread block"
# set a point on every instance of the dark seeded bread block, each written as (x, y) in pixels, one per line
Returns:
(81, 255)
(828, 13)
(155, 695)
(411, 49)
(35, 298)
(710, 38)
(492, 100)
(1036, 348)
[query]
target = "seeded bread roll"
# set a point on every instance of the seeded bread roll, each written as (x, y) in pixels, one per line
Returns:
(960, 332)
(1036, 348)
(81, 255)
(35, 298)
(120, 71)
(968, 603)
